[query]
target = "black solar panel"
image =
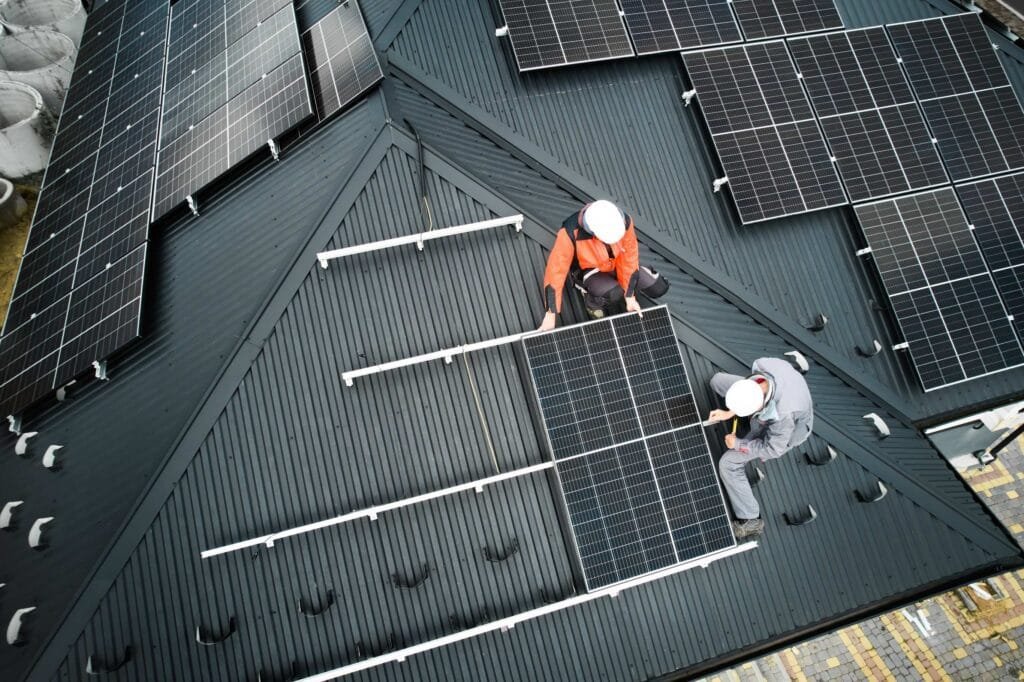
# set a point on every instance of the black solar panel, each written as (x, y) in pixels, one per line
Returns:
(774, 18)
(342, 61)
(48, 257)
(548, 33)
(241, 16)
(996, 210)
(28, 358)
(966, 97)
(659, 26)
(954, 323)
(192, 161)
(268, 108)
(634, 466)
(868, 113)
(763, 127)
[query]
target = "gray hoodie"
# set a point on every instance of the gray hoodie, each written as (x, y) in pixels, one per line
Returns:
(787, 417)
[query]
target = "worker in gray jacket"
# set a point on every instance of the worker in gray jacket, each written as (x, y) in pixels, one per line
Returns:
(778, 402)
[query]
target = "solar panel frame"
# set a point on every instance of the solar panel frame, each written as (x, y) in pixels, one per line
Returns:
(538, 19)
(621, 476)
(659, 26)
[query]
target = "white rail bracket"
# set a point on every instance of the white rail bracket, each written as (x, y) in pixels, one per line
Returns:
(863, 252)
(688, 96)
(190, 200)
(14, 424)
(100, 366)
(719, 183)
(21, 447)
(501, 32)
(274, 151)
(418, 239)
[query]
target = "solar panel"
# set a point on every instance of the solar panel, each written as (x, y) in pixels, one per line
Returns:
(191, 161)
(764, 129)
(28, 357)
(868, 113)
(966, 97)
(548, 33)
(635, 471)
(268, 108)
(995, 208)
(659, 26)
(761, 19)
(341, 58)
(944, 299)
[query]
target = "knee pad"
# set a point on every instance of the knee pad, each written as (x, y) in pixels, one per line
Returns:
(660, 286)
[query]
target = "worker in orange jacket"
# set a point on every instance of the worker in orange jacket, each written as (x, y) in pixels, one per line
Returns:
(597, 249)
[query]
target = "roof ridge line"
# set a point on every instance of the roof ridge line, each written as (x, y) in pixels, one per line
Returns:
(109, 566)
(730, 290)
(395, 24)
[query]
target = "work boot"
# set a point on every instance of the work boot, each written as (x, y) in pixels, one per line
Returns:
(595, 313)
(747, 528)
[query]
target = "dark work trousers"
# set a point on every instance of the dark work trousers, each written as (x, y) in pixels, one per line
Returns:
(601, 290)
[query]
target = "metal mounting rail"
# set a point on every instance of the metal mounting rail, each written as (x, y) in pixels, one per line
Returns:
(420, 238)
(506, 624)
(446, 354)
(371, 513)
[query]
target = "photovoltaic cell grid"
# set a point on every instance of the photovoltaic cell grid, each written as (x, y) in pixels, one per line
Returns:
(964, 92)
(660, 26)
(868, 113)
(93, 210)
(764, 130)
(761, 19)
(342, 61)
(235, 82)
(953, 320)
(632, 460)
(995, 208)
(548, 33)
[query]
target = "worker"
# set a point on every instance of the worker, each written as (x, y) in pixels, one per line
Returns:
(597, 249)
(778, 402)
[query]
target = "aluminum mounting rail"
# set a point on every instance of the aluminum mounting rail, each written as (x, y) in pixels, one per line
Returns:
(420, 238)
(446, 354)
(506, 624)
(371, 513)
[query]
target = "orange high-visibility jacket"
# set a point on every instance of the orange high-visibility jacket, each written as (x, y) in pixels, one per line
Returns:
(576, 249)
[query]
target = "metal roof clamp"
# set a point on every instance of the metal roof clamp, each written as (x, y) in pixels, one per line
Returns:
(801, 518)
(876, 348)
(872, 493)
(207, 638)
(192, 206)
(820, 320)
(100, 367)
(94, 666)
(274, 150)
(799, 360)
(14, 424)
(35, 533)
(879, 424)
(21, 447)
(50, 457)
(306, 606)
(411, 582)
(500, 556)
(7, 514)
(15, 636)
(821, 458)
(688, 96)
(717, 185)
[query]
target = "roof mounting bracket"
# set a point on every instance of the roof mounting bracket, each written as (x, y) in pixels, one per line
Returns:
(873, 493)
(876, 348)
(501, 32)
(413, 581)
(879, 424)
(21, 447)
(688, 96)
(821, 459)
(100, 366)
(902, 345)
(15, 637)
(206, 638)
(863, 252)
(50, 457)
(802, 518)
(717, 184)
(62, 392)
(93, 666)
(7, 514)
(799, 360)
(35, 533)
(306, 606)
(274, 151)
(754, 473)
(506, 553)
(820, 320)
(190, 200)
(14, 424)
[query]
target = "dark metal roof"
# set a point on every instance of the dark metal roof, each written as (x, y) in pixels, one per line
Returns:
(230, 420)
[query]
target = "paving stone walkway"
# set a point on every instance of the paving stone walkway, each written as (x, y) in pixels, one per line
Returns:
(938, 639)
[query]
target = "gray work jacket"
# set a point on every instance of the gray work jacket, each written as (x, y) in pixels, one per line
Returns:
(788, 416)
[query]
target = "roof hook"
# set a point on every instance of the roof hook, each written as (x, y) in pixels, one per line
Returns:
(413, 581)
(35, 534)
(821, 459)
(7, 514)
(307, 610)
(873, 493)
(94, 666)
(879, 424)
(14, 626)
(21, 447)
(799, 360)
(820, 320)
(206, 638)
(504, 554)
(14, 424)
(802, 518)
(50, 457)
(876, 348)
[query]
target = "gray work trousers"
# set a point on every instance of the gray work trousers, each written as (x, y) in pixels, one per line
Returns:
(601, 289)
(733, 463)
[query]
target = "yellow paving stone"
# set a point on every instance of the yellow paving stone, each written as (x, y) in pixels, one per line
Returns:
(1016, 528)
(988, 493)
(959, 653)
(833, 662)
(1012, 494)
(998, 661)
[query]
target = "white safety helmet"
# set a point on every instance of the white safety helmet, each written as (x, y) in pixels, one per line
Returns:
(744, 397)
(604, 220)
